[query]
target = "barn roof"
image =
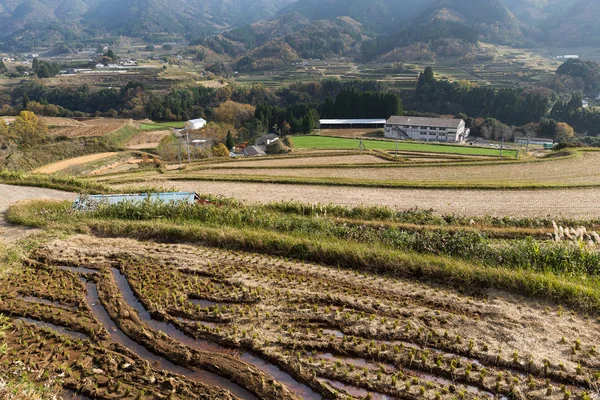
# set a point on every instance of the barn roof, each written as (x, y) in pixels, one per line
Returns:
(351, 121)
(424, 121)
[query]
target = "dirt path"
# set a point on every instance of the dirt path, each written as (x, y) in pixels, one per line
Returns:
(72, 162)
(11, 194)
(580, 203)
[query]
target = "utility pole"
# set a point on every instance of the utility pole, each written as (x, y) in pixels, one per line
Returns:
(179, 152)
(501, 145)
(187, 136)
(396, 147)
(527, 149)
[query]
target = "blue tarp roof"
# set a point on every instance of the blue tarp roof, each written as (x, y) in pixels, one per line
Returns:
(91, 201)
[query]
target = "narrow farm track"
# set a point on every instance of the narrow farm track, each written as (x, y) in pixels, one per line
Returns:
(340, 333)
(11, 194)
(572, 203)
(72, 162)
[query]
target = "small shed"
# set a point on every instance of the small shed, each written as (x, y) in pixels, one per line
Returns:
(90, 202)
(195, 124)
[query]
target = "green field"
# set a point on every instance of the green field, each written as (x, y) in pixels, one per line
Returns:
(156, 126)
(323, 142)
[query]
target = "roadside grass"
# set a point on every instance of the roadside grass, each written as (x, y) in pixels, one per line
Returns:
(326, 142)
(57, 181)
(573, 288)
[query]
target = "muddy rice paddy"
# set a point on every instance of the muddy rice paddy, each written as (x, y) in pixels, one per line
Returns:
(116, 318)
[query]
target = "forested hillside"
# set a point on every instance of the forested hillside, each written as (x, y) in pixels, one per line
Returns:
(26, 23)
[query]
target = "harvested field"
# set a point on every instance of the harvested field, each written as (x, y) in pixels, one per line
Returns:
(574, 203)
(321, 332)
(584, 170)
(84, 127)
(304, 161)
(147, 140)
(60, 122)
(73, 162)
(86, 131)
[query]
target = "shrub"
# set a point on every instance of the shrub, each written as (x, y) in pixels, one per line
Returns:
(278, 147)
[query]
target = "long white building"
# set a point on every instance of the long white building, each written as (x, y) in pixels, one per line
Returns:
(447, 130)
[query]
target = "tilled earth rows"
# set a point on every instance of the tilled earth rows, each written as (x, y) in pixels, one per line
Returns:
(256, 326)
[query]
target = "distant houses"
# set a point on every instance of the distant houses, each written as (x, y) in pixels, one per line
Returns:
(447, 130)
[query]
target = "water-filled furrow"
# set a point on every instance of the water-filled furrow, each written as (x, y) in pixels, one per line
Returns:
(356, 391)
(58, 329)
(157, 362)
(165, 327)
(276, 373)
(78, 270)
(39, 300)
(300, 390)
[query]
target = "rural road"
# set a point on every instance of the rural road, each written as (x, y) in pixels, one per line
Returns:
(570, 203)
(11, 194)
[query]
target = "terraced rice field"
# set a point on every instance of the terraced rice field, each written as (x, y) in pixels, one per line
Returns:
(146, 320)
(571, 203)
(579, 171)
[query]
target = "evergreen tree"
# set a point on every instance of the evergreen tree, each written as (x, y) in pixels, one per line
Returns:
(229, 143)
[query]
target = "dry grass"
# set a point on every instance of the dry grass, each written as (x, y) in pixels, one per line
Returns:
(579, 203)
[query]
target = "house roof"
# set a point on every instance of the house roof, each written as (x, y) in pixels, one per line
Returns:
(254, 151)
(351, 121)
(93, 201)
(424, 121)
(269, 136)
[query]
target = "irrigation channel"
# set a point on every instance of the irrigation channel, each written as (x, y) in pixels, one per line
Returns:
(117, 335)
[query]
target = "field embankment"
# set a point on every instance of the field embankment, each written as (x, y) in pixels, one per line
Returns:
(72, 162)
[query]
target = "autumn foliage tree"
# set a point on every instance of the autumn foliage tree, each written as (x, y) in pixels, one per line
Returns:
(564, 131)
(28, 129)
(236, 114)
(220, 151)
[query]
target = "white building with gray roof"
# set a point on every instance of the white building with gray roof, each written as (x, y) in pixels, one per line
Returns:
(446, 130)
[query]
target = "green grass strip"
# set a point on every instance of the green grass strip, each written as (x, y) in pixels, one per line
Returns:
(328, 142)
